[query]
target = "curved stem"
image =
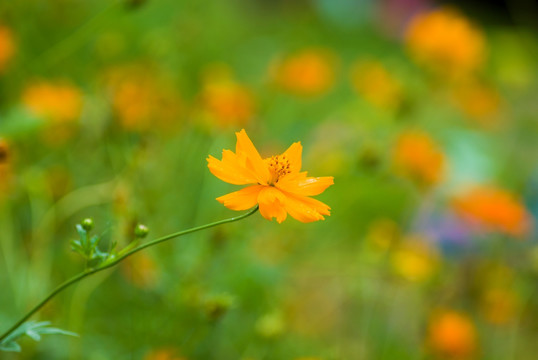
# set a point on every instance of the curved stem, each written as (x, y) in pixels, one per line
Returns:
(114, 262)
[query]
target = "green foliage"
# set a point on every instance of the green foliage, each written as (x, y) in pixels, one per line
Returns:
(32, 329)
(88, 246)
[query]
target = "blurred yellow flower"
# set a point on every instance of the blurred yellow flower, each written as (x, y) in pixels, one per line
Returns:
(55, 102)
(140, 101)
(452, 335)
(277, 184)
(164, 354)
(7, 47)
(415, 259)
(271, 325)
(500, 305)
(315, 303)
(383, 234)
(374, 83)
(225, 101)
(419, 158)
(307, 73)
(494, 209)
(478, 101)
(446, 41)
(141, 270)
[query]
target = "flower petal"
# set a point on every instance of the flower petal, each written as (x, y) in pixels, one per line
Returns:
(306, 209)
(294, 154)
(231, 169)
(303, 185)
(245, 147)
(272, 202)
(243, 199)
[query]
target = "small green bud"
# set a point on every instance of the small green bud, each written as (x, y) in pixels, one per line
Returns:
(141, 231)
(87, 224)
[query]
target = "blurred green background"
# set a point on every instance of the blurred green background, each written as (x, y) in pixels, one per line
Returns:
(425, 114)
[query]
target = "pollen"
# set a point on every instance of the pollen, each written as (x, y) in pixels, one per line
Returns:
(279, 166)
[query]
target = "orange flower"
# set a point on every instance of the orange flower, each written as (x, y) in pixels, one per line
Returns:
(418, 157)
(446, 41)
(7, 46)
(278, 185)
(308, 73)
(452, 335)
(495, 209)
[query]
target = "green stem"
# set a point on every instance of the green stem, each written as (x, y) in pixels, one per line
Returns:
(114, 262)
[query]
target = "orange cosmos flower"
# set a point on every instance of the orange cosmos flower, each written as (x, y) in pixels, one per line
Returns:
(277, 184)
(495, 209)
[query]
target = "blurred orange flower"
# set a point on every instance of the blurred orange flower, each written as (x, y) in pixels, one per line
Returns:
(495, 209)
(478, 101)
(307, 73)
(418, 157)
(142, 102)
(373, 82)
(7, 47)
(500, 305)
(278, 185)
(164, 354)
(56, 102)
(5, 168)
(444, 40)
(452, 335)
(225, 101)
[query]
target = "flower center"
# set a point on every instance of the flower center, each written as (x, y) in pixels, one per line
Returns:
(278, 166)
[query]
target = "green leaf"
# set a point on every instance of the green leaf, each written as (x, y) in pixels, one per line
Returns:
(83, 238)
(94, 241)
(11, 346)
(32, 329)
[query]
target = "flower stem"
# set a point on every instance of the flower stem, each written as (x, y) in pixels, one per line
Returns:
(115, 261)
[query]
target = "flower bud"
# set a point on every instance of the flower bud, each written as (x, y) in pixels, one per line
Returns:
(87, 224)
(141, 231)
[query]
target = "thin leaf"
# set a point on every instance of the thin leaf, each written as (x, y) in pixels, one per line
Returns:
(11, 346)
(33, 334)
